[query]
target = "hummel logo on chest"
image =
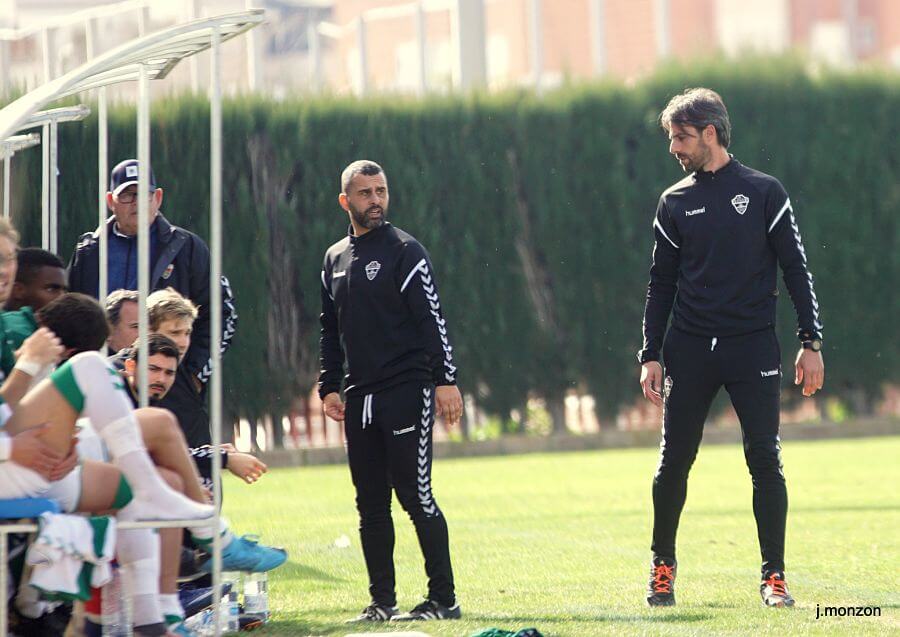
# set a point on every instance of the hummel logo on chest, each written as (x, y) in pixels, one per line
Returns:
(771, 372)
(696, 211)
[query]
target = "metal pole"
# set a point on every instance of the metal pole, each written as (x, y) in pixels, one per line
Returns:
(598, 36)
(45, 186)
(252, 56)
(102, 187)
(663, 15)
(537, 44)
(4, 556)
(215, 300)
(5, 80)
(143, 192)
(6, 166)
(54, 184)
(143, 20)
(193, 14)
(468, 33)
(90, 37)
(315, 59)
(421, 45)
(363, 85)
(45, 49)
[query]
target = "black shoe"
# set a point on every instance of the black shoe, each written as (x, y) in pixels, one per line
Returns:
(52, 623)
(661, 588)
(189, 566)
(429, 609)
(194, 600)
(773, 590)
(374, 613)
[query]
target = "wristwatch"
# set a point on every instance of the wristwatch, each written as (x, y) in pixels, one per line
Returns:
(815, 345)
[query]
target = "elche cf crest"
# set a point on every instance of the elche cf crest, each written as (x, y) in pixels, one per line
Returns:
(740, 203)
(372, 269)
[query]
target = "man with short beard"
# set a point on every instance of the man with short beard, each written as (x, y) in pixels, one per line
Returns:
(721, 233)
(380, 308)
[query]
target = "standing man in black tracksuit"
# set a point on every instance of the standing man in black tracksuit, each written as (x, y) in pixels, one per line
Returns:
(720, 234)
(381, 312)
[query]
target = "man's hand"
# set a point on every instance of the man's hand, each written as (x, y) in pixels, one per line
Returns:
(651, 382)
(246, 467)
(31, 452)
(448, 403)
(62, 469)
(810, 370)
(334, 406)
(42, 347)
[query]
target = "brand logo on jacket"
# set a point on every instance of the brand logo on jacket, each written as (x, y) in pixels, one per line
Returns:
(372, 269)
(740, 203)
(697, 211)
(169, 270)
(771, 372)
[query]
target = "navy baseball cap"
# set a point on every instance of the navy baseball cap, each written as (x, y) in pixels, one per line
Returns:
(125, 174)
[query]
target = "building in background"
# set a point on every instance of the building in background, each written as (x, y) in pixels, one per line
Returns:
(439, 45)
(272, 58)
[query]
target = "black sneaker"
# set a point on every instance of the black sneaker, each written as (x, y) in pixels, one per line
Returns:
(661, 588)
(773, 590)
(429, 609)
(375, 613)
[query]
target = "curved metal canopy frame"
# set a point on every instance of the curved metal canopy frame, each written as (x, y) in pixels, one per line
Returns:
(158, 53)
(152, 57)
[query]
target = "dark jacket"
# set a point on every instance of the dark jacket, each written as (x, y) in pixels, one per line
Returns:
(182, 262)
(719, 240)
(188, 405)
(380, 308)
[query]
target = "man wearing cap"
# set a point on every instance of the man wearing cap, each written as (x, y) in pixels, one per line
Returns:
(178, 259)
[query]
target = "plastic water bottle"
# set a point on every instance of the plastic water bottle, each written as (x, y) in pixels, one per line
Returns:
(230, 609)
(256, 595)
(114, 608)
(201, 624)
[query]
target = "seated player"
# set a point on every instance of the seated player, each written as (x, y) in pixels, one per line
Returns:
(122, 314)
(86, 385)
(40, 278)
(238, 554)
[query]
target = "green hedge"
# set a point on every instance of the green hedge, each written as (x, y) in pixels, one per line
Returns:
(565, 182)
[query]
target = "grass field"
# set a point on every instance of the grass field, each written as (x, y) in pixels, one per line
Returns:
(560, 542)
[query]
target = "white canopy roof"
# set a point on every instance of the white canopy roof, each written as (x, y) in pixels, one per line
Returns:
(159, 52)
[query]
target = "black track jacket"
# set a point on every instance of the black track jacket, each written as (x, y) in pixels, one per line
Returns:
(380, 308)
(719, 239)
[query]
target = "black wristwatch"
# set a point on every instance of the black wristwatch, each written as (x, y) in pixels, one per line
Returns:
(814, 344)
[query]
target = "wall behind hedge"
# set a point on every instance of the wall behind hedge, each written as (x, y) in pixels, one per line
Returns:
(536, 210)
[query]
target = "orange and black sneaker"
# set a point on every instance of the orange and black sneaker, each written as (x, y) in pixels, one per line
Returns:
(661, 589)
(773, 590)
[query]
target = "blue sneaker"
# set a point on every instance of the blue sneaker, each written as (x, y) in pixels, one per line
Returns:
(194, 600)
(248, 555)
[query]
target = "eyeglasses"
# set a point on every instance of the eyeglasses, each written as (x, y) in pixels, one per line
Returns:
(130, 196)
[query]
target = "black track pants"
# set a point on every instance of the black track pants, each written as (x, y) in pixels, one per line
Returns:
(389, 444)
(695, 368)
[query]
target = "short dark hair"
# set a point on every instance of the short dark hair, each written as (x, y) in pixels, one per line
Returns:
(698, 107)
(77, 320)
(31, 260)
(359, 167)
(114, 304)
(156, 344)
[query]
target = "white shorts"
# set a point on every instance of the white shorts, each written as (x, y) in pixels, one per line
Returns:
(66, 491)
(17, 481)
